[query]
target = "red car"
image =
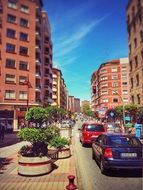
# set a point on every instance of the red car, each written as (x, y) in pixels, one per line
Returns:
(89, 132)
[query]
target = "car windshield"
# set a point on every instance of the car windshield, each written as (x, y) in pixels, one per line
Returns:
(95, 128)
(124, 141)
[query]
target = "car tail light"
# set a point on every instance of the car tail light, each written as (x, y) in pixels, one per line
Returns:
(108, 153)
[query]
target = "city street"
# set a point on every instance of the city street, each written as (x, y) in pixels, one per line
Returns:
(91, 177)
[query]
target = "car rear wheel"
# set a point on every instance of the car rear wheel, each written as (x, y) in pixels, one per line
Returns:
(102, 167)
(83, 144)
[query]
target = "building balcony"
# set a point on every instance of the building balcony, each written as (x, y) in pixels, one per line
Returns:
(38, 88)
(54, 76)
(38, 74)
(38, 62)
(54, 96)
(54, 83)
(54, 89)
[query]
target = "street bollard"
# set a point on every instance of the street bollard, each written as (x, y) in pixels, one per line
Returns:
(71, 185)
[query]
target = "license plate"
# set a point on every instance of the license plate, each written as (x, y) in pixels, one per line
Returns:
(128, 155)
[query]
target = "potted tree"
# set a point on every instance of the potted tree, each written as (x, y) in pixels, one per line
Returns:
(63, 146)
(33, 159)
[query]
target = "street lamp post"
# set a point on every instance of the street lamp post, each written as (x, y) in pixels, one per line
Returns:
(27, 82)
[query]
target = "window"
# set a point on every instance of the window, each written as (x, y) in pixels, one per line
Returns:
(136, 61)
(11, 33)
(23, 22)
(124, 68)
(104, 92)
(141, 35)
(23, 36)
(114, 77)
(23, 95)
(124, 76)
(134, 26)
(103, 70)
(138, 98)
(105, 100)
(24, 9)
(131, 66)
(135, 42)
(130, 48)
(125, 99)
(95, 128)
(9, 78)
(10, 63)
(9, 94)
(128, 19)
(115, 92)
(132, 83)
(125, 92)
(23, 65)
(140, 18)
(124, 83)
(10, 48)
(132, 98)
(142, 55)
(104, 78)
(115, 100)
(104, 85)
(114, 70)
(11, 18)
(114, 84)
(12, 4)
(22, 79)
(23, 50)
(137, 79)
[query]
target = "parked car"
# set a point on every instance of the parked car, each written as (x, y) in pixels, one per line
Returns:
(89, 132)
(117, 151)
(65, 124)
(112, 127)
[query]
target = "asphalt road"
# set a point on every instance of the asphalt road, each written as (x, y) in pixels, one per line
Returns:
(90, 177)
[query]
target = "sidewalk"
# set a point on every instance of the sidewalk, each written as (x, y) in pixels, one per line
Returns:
(55, 180)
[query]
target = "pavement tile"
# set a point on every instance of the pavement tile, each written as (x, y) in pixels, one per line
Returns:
(55, 180)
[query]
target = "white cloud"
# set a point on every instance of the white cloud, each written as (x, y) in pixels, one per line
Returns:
(69, 43)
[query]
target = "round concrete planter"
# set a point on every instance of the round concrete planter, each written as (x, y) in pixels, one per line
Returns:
(64, 153)
(32, 166)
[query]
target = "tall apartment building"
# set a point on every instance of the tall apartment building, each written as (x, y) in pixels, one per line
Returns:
(77, 105)
(59, 89)
(110, 85)
(25, 59)
(135, 42)
(73, 104)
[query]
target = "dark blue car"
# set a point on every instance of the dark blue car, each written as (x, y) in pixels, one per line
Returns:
(117, 151)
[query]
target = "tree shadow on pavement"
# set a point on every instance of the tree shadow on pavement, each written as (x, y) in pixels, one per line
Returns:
(3, 164)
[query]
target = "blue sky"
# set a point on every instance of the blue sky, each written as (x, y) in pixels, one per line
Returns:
(86, 33)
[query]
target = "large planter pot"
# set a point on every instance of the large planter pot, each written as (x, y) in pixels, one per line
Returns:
(64, 153)
(32, 166)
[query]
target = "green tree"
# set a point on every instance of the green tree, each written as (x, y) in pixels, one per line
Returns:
(55, 113)
(132, 110)
(37, 115)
